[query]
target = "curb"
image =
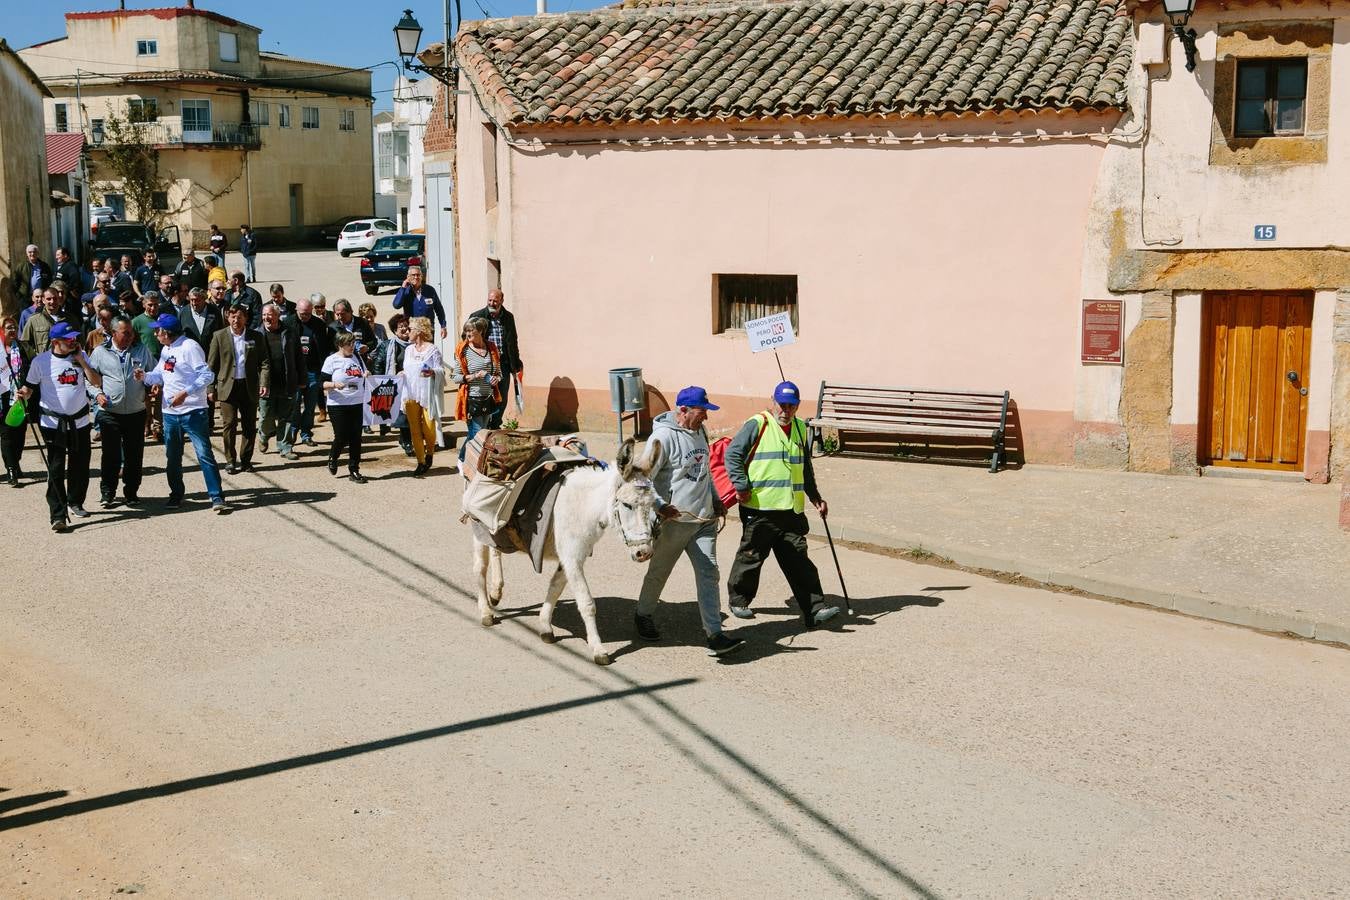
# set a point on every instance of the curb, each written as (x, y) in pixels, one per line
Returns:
(1195, 605)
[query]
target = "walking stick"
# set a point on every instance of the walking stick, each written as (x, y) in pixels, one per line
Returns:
(848, 604)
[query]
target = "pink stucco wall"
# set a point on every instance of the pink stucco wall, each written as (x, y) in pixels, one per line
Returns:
(942, 265)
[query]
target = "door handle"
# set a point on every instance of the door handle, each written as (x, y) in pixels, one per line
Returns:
(1292, 376)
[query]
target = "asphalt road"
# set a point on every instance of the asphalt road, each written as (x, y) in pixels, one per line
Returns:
(297, 700)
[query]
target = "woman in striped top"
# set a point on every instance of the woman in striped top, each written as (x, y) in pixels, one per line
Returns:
(478, 366)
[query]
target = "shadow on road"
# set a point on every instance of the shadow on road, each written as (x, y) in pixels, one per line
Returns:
(135, 795)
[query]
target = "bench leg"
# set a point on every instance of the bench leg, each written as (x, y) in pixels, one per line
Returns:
(998, 453)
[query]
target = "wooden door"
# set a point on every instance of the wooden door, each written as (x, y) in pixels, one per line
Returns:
(1254, 384)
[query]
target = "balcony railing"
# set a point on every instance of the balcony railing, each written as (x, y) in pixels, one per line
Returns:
(173, 134)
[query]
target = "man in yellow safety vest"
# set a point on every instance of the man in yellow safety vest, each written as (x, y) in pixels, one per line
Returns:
(770, 467)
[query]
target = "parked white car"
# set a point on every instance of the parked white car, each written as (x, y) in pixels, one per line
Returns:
(362, 234)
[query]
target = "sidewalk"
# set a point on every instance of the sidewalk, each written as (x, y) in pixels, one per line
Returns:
(1263, 554)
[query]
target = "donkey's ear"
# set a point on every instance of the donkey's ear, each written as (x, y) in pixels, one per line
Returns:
(650, 459)
(624, 461)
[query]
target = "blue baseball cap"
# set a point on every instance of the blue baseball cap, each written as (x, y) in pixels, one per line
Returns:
(62, 331)
(786, 392)
(168, 322)
(696, 397)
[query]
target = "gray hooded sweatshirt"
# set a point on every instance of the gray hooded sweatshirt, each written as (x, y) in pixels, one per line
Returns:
(683, 478)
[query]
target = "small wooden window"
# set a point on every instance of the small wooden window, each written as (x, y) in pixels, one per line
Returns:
(742, 298)
(147, 48)
(159, 201)
(346, 120)
(283, 115)
(62, 118)
(1271, 96)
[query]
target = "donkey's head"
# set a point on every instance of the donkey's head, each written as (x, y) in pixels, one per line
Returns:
(635, 501)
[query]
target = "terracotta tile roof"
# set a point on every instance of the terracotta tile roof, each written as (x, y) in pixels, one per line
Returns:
(805, 58)
(179, 75)
(63, 151)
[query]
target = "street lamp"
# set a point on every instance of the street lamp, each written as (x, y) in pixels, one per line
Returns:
(1179, 13)
(407, 35)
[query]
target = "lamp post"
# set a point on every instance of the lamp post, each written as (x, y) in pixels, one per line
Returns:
(1179, 13)
(407, 35)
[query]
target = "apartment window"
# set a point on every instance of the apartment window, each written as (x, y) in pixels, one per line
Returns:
(62, 118)
(159, 201)
(347, 120)
(147, 48)
(309, 117)
(259, 112)
(393, 159)
(1270, 96)
(196, 120)
(283, 115)
(490, 164)
(142, 109)
(741, 298)
(229, 46)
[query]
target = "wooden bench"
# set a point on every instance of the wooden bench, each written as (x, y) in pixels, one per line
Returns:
(977, 415)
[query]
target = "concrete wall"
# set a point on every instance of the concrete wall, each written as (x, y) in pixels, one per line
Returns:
(24, 196)
(951, 264)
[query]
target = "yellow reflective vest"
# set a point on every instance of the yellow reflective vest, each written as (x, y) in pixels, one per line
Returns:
(777, 470)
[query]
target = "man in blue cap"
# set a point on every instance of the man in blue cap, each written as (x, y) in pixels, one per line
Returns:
(183, 377)
(770, 468)
(690, 510)
(62, 375)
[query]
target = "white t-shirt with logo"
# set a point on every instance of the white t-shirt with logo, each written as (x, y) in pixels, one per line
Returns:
(350, 375)
(63, 389)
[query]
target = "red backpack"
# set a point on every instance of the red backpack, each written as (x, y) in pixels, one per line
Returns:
(717, 465)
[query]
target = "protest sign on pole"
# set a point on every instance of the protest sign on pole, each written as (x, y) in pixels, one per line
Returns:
(770, 333)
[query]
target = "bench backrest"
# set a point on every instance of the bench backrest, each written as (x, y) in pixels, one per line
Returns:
(862, 402)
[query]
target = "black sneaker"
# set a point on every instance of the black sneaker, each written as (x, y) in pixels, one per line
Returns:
(106, 501)
(78, 511)
(232, 469)
(357, 477)
(173, 503)
(60, 526)
(332, 467)
(646, 628)
(720, 645)
(131, 500)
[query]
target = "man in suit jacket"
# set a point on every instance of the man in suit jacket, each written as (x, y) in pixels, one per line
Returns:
(243, 371)
(502, 334)
(276, 408)
(200, 319)
(345, 321)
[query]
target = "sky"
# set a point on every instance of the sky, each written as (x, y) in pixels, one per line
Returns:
(346, 32)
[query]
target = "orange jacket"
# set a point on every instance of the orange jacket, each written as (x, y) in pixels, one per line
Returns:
(462, 395)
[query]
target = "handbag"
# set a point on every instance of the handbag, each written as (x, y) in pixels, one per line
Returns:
(480, 406)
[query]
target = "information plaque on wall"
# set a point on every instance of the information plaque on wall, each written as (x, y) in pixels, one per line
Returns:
(1103, 323)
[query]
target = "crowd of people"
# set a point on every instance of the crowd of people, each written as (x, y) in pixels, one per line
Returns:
(147, 354)
(160, 359)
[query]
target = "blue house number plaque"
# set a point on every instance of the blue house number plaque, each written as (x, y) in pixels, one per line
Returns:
(1265, 232)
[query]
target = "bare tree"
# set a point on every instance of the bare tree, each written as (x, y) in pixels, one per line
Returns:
(128, 163)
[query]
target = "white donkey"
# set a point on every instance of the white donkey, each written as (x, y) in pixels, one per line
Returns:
(589, 500)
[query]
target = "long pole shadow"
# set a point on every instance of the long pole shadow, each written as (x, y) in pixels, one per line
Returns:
(169, 788)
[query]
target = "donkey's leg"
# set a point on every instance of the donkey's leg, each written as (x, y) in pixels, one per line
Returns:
(481, 554)
(555, 587)
(576, 577)
(495, 580)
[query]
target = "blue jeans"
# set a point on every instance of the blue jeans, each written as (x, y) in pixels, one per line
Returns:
(698, 541)
(476, 425)
(251, 267)
(306, 401)
(499, 411)
(195, 425)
